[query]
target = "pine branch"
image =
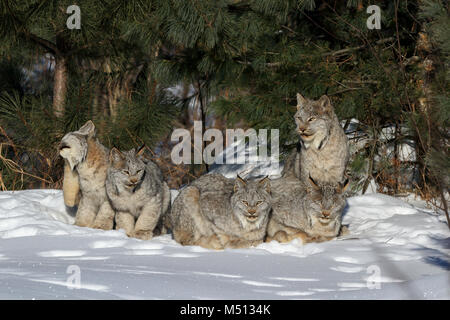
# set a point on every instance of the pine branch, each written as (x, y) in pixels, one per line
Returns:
(344, 51)
(50, 46)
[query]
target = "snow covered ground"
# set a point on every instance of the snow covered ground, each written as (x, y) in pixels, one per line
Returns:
(394, 251)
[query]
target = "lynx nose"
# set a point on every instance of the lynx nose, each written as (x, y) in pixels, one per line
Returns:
(326, 213)
(133, 180)
(251, 211)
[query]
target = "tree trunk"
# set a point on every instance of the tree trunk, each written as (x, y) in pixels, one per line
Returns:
(201, 113)
(60, 86)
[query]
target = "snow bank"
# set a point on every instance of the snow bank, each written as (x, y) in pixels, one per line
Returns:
(394, 251)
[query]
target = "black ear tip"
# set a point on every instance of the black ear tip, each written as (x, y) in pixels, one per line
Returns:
(141, 150)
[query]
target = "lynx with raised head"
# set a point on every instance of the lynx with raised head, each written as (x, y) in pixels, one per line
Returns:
(324, 146)
(86, 165)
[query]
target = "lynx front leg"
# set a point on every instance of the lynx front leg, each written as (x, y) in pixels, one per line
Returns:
(86, 213)
(211, 242)
(239, 243)
(105, 217)
(148, 220)
(125, 220)
(282, 236)
(299, 235)
(71, 186)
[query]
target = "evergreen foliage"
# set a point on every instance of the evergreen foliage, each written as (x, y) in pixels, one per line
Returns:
(246, 60)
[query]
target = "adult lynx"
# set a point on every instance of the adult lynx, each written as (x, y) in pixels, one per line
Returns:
(137, 192)
(217, 213)
(86, 162)
(324, 146)
(310, 211)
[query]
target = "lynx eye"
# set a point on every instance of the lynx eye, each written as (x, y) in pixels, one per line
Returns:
(311, 119)
(126, 172)
(258, 203)
(245, 202)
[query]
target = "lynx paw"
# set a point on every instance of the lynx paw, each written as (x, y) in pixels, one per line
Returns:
(280, 236)
(344, 231)
(103, 225)
(143, 234)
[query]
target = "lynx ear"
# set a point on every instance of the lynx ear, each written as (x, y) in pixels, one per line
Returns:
(239, 183)
(141, 154)
(115, 155)
(300, 101)
(325, 103)
(265, 183)
(88, 129)
(343, 185)
(313, 183)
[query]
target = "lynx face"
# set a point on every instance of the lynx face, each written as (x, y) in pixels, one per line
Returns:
(327, 201)
(313, 120)
(73, 146)
(251, 202)
(127, 169)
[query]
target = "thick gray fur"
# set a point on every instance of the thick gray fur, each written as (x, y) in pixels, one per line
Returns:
(137, 193)
(310, 211)
(217, 213)
(324, 150)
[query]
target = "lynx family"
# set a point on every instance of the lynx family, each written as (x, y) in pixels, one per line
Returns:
(216, 212)
(87, 159)
(137, 192)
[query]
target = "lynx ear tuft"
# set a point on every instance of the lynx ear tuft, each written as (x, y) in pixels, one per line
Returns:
(115, 155)
(343, 185)
(301, 101)
(88, 129)
(313, 183)
(142, 155)
(141, 150)
(265, 183)
(239, 183)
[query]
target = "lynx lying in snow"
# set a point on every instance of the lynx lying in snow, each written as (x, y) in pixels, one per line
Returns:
(216, 212)
(311, 212)
(137, 192)
(324, 147)
(87, 159)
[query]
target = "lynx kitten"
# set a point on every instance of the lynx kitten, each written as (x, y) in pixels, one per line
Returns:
(217, 213)
(137, 192)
